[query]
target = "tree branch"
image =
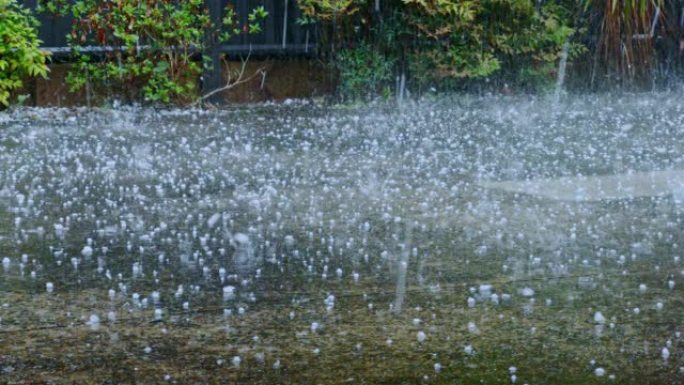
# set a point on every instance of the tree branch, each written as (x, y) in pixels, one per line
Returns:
(230, 83)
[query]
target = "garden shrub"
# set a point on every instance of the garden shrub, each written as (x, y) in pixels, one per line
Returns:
(156, 45)
(445, 43)
(20, 56)
(364, 71)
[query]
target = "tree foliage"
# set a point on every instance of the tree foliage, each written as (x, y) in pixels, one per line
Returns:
(444, 42)
(20, 55)
(152, 44)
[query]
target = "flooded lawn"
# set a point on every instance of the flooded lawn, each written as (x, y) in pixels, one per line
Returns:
(457, 241)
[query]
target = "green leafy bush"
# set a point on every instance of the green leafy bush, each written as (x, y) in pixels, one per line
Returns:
(475, 39)
(364, 71)
(155, 46)
(20, 55)
(445, 43)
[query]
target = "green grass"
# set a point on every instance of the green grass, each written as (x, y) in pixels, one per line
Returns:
(41, 341)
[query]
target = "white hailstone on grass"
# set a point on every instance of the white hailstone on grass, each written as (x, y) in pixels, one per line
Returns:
(158, 314)
(213, 220)
(527, 292)
(111, 316)
(514, 378)
(599, 372)
(112, 294)
(472, 328)
(389, 342)
(329, 302)
(420, 336)
(87, 251)
(228, 293)
(236, 361)
(636, 310)
(155, 297)
(338, 273)
(50, 287)
(416, 321)
(599, 318)
(93, 322)
(6, 263)
(485, 290)
(314, 327)
(276, 364)
(512, 370)
(186, 305)
(659, 306)
(665, 354)
(136, 270)
(438, 367)
(468, 349)
(671, 284)
(355, 276)
(471, 302)
(642, 288)
(147, 350)
(494, 298)
(260, 357)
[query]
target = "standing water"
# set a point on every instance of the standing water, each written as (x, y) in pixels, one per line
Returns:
(469, 240)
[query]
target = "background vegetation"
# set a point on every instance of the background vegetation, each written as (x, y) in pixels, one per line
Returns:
(19, 53)
(160, 44)
(498, 45)
(374, 47)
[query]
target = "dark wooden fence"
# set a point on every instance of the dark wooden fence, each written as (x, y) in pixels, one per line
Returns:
(281, 35)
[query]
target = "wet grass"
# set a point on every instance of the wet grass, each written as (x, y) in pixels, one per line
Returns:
(44, 337)
(465, 236)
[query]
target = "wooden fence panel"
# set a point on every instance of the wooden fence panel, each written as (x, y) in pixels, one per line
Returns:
(281, 34)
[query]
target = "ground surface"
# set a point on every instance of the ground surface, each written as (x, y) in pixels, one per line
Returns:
(308, 245)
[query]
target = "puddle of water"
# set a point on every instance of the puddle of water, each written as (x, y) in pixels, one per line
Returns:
(599, 188)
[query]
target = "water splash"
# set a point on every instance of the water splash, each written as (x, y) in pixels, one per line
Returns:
(561, 73)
